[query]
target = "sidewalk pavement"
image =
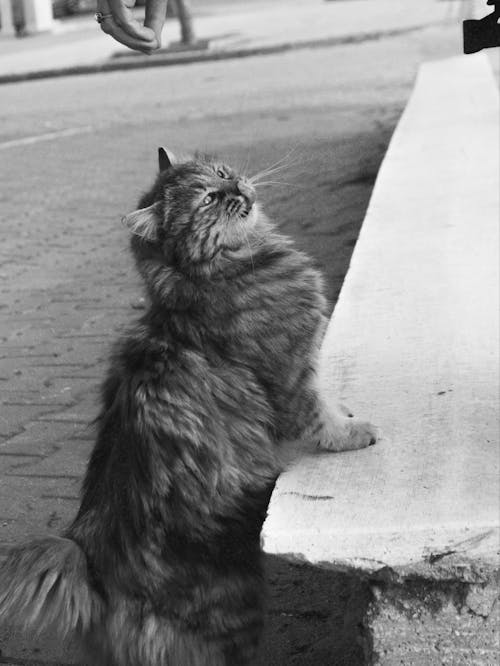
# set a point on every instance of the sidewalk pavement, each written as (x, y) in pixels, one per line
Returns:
(78, 46)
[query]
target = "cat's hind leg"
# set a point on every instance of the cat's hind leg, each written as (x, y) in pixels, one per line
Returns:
(152, 640)
(135, 638)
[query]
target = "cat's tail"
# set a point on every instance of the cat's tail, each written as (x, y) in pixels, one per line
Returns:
(46, 583)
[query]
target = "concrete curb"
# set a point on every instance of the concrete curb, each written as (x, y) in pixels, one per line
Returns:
(416, 517)
(190, 57)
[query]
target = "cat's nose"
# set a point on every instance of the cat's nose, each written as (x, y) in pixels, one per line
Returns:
(247, 191)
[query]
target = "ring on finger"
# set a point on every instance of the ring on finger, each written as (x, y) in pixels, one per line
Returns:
(100, 17)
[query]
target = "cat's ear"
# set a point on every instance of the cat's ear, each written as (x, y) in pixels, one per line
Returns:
(166, 158)
(144, 222)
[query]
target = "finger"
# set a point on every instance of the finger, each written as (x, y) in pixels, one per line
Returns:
(111, 28)
(124, 19)
(156, 11)
(102, 6)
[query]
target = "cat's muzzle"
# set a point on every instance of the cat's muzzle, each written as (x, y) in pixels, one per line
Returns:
(246, 191)
(239, 206)
(241, 199)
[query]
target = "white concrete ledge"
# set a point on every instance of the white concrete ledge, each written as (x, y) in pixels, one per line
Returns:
(413, 346)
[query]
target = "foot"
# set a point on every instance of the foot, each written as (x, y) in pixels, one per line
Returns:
(344, 433)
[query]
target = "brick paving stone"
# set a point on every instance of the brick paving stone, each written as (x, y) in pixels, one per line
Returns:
(68, 459)
(23, 395)
(53, 390)
(32, 507)
(29, 377)
(93, 372)
(56, 386)
(34, 399)
(19, 649)
(83, 413)
(42, 438)
(12, 418)
(50, 389)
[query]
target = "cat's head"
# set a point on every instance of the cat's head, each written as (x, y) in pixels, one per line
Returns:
(196, 210)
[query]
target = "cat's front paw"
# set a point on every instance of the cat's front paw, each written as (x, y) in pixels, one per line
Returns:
(351, 435)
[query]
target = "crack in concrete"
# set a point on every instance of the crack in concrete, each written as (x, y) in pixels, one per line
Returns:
(307, 497)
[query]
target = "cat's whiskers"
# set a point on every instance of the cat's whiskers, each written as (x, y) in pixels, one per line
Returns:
(278, 182)
(254, 180)
(249, 249)
(283, 160)
(243, 168)
(280, 164)
(247, 164)
(263, 177)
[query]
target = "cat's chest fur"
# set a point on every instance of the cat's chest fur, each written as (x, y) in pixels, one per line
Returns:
(265, 321)
(261, 314)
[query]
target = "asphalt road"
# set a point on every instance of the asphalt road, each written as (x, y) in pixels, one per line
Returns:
(75, 153)
(330, 110)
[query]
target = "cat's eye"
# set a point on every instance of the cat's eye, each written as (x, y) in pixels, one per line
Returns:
(208, 199)
(221, 173)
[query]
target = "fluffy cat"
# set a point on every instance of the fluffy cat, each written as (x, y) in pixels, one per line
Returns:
(204, 395)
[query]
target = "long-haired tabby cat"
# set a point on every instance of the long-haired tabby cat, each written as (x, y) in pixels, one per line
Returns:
(204, 395)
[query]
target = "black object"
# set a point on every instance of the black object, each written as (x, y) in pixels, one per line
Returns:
(483, 33)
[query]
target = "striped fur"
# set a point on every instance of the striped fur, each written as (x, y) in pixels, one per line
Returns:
(46, 583)
(162, 565)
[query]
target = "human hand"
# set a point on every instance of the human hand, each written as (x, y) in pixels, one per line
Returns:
(119, 22)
